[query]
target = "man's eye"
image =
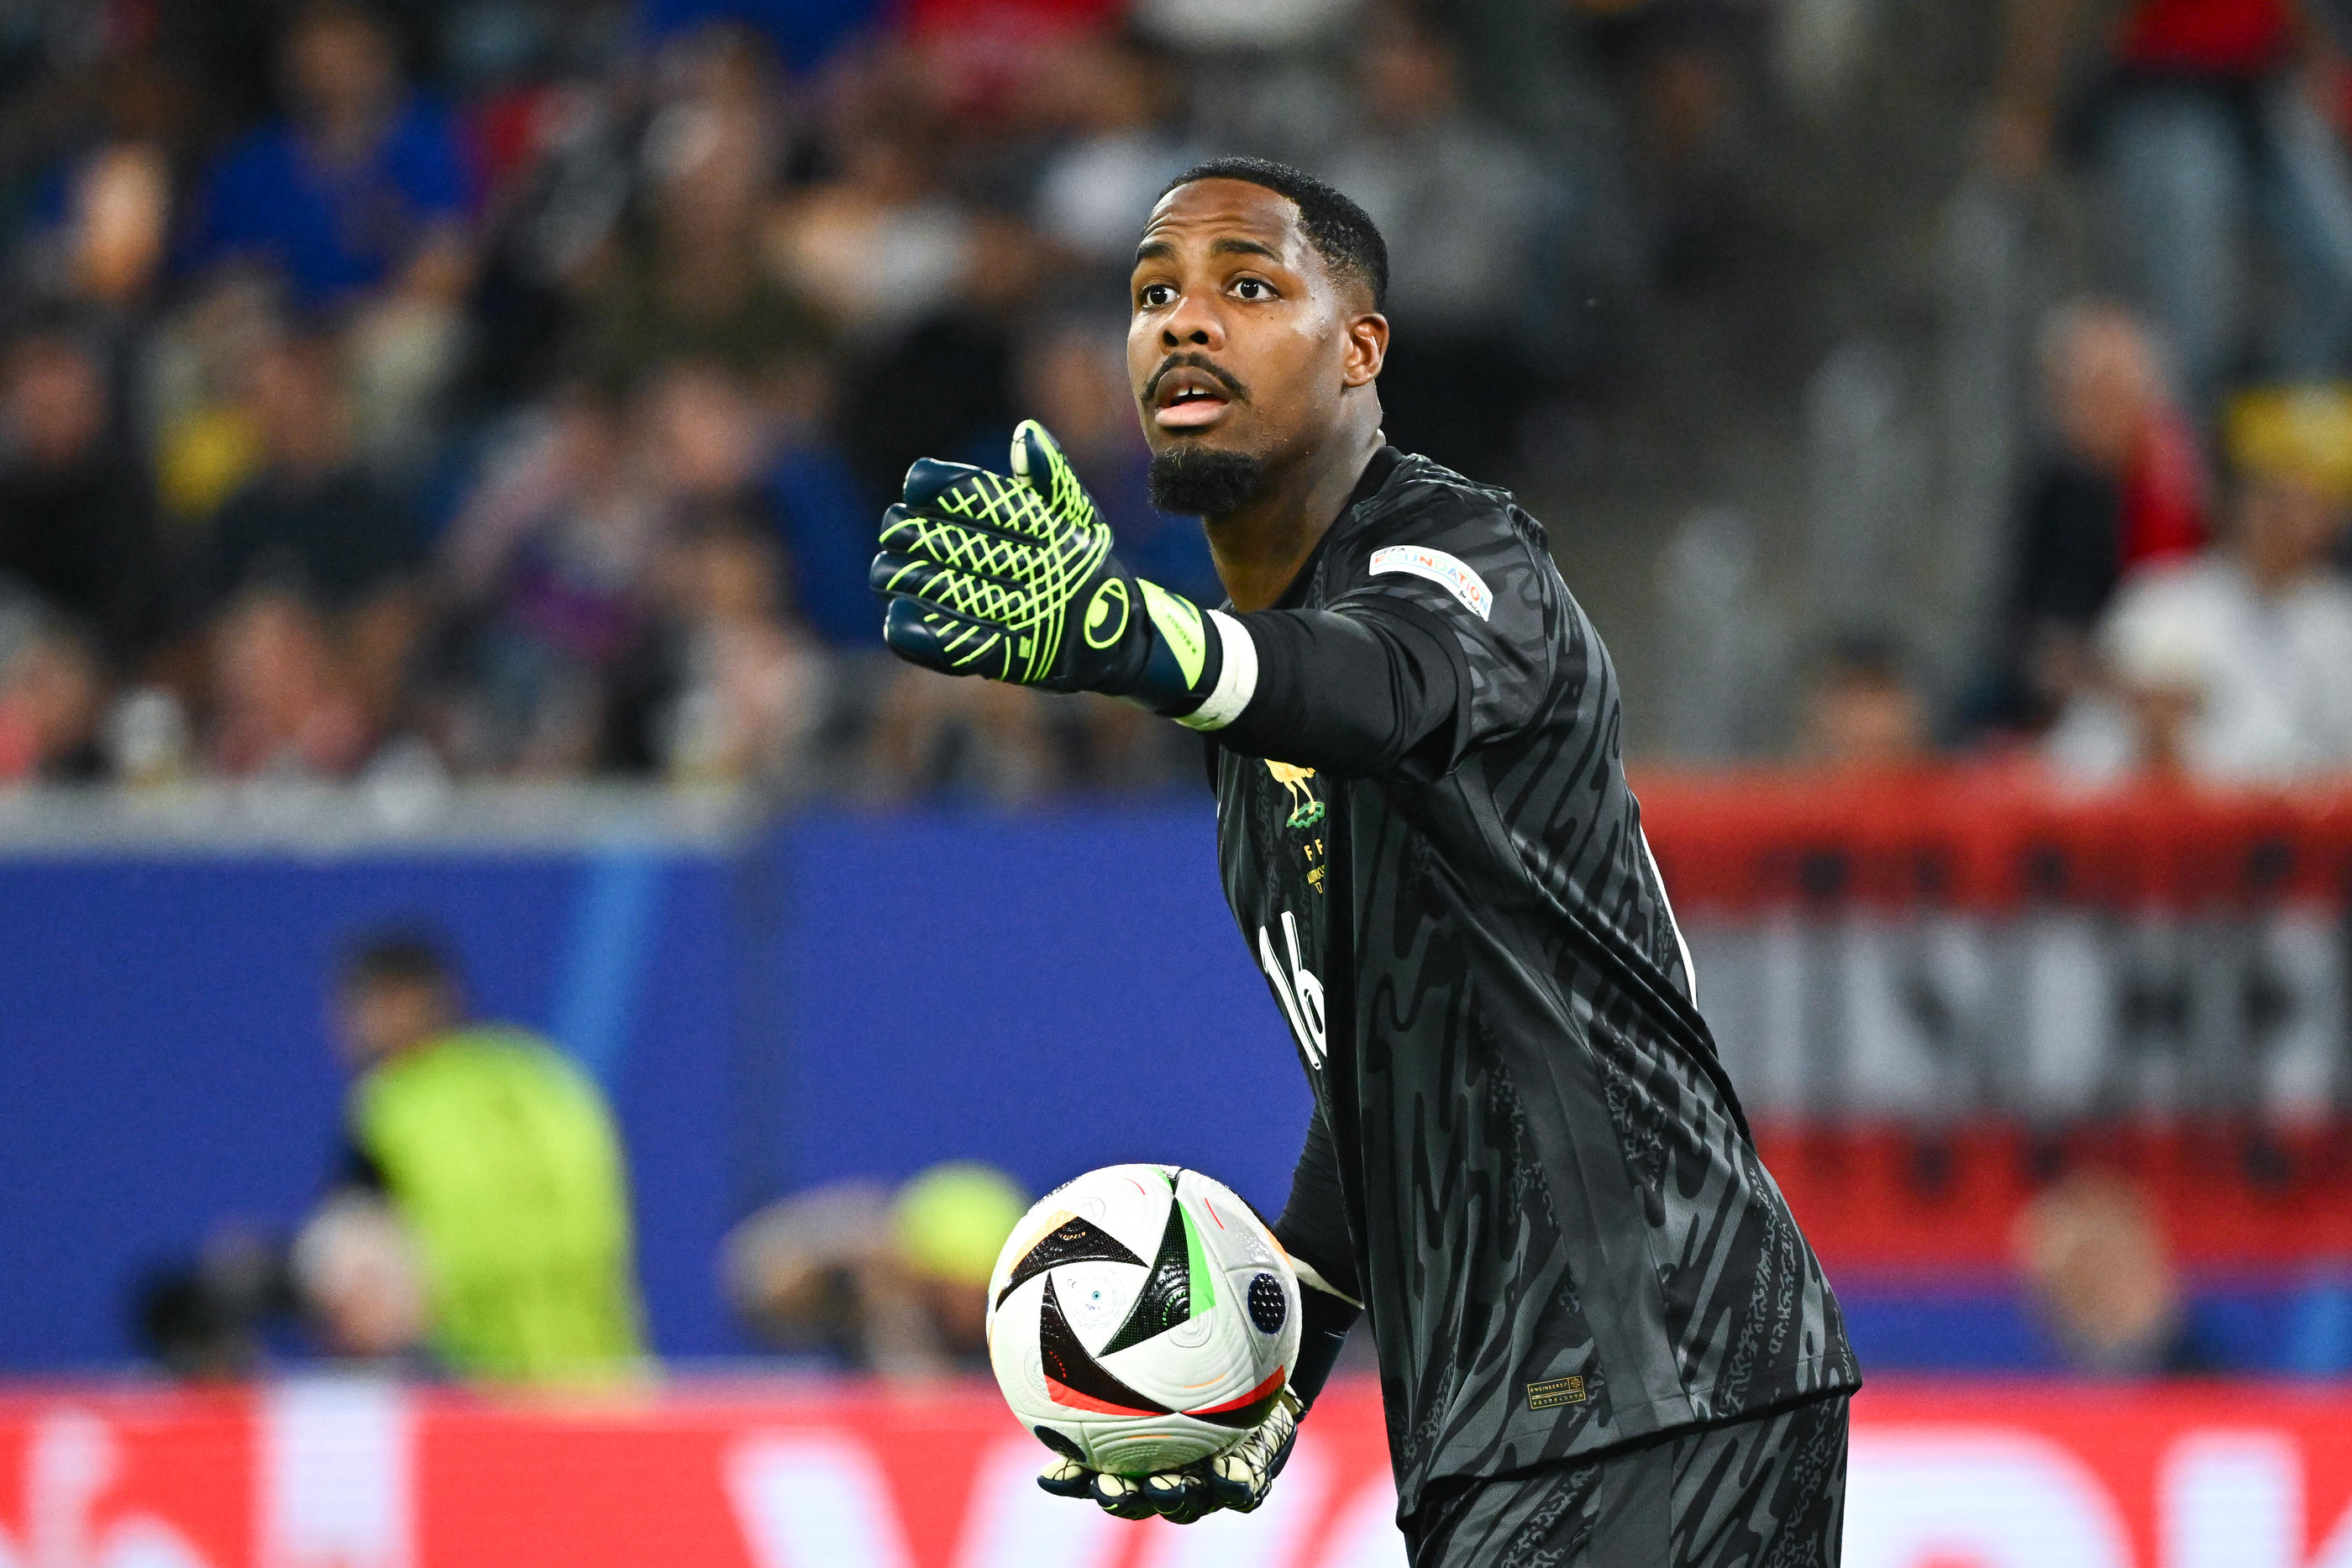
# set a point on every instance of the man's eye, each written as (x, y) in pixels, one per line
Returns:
(1155, 295)
(1253, 288)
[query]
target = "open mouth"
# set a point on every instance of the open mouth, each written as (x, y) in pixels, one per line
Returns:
(1186, 397)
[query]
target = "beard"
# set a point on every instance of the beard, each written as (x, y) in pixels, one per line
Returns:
(1203, 482)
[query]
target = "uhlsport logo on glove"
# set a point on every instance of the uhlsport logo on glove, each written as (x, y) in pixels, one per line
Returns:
(1106, 616)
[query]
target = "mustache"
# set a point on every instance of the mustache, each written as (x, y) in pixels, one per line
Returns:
(1202, 362)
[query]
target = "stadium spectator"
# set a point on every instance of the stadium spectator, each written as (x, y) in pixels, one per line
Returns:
(867, 1279)
(696, 282)
(1466, 212)
(880, 247)
(311, 516)
(725, 690)
(2210, 121)
(76, 523)
(356, 1270)
(206, 1318)
(494, 1158)
(50, 691)
(146, 738)
(1682, 68)
(360, 185)
(707, 439)
(820, 510)
(2230, 667)
(548, 559)
(114, 200)
(99, 152)
(2093, 1258)
(282, 703)
(1863, 713)
(200, 420)
(2121, 485)
(1121, 144)
(923, 284)
(966, 736)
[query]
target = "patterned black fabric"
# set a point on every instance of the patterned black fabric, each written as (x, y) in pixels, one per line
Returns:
(1768, 1492)
(1551, 1206)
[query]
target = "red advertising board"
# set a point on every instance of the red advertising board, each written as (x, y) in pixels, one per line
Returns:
(358, 1475)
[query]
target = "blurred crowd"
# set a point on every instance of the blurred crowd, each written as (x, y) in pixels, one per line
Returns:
(2174, 598)
(2177, 603)
(500, 388)
(494, 388)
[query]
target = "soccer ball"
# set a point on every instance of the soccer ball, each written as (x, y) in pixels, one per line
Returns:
(1141, 1318)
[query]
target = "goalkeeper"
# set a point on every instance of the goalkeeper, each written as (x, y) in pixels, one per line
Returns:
(1602, 1339)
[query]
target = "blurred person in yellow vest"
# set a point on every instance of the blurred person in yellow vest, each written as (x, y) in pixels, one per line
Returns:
(484, 1213)
(867, 1279)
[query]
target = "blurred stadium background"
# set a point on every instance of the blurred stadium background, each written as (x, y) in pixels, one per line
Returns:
(439, 447)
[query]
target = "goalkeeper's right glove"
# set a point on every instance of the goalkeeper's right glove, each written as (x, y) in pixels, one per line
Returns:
(1011, 577)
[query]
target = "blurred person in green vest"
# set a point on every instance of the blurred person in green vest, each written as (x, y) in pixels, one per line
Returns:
(484, 1212)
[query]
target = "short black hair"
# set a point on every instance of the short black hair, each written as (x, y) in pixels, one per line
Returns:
(396, 958)
(1342, 233)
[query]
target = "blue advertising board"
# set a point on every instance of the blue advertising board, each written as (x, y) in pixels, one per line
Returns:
(837, 996)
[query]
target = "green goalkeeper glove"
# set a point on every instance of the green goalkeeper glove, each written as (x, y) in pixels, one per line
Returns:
(1238, 1478)
(1013, 577)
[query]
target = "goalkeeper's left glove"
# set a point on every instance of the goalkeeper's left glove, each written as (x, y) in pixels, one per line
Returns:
(1011, 577)
(1238, 1478)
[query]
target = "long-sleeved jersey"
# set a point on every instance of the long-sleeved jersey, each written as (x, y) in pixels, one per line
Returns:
(1525, 1157)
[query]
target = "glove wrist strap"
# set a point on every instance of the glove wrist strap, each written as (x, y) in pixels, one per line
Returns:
(1236, 679)
(1201, 670)
(1184, 659)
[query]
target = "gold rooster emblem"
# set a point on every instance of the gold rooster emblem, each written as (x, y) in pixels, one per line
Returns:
(1306, 810)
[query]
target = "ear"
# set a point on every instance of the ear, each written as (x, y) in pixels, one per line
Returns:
(1367, 349)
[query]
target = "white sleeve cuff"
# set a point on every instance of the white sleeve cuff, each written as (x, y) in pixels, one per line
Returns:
(1237, 678)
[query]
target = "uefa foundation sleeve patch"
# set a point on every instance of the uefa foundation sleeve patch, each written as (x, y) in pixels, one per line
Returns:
(1559, 1391)
(1441, 569)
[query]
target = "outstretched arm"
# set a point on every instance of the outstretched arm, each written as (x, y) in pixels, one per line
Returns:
(1012, 578)
(1351, 693)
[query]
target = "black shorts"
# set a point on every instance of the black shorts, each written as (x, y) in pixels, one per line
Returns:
(1767, 1492)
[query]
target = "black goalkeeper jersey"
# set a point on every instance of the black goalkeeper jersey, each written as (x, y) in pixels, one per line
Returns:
(1525, 1157)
